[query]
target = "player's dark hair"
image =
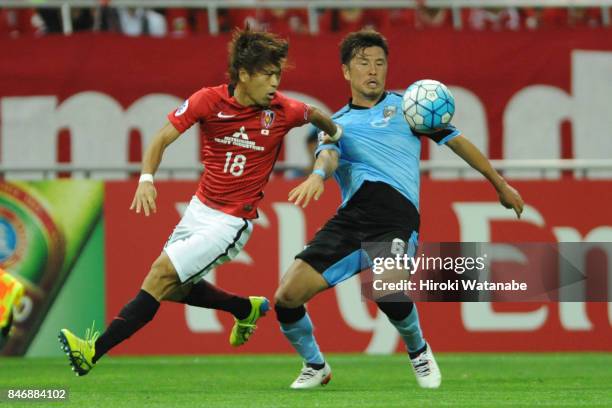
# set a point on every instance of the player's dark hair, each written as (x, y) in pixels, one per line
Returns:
(357, 41)
(255, 50)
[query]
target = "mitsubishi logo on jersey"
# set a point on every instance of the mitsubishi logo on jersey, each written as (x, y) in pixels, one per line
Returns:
(241, 139)
(241, 134)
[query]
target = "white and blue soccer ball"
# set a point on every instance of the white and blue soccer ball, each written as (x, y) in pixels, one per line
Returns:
(428, 106)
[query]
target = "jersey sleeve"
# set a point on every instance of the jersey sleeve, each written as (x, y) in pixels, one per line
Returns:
(296, 112)
(443, 136)
(193, 110)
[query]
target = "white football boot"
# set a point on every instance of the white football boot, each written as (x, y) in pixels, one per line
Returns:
(426, 369)
(311, 378)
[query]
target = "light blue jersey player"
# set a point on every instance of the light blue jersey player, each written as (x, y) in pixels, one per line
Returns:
(376, 163)
(379, 146)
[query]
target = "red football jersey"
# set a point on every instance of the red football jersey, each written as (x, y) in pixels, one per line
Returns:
(241, 144)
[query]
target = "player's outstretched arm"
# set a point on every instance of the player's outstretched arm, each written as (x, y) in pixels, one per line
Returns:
(320, 120)
(313, 186)
(144, 198)
(508, 196)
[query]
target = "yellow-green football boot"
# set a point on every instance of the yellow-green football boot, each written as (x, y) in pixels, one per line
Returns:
(244, 328)
(80, 352)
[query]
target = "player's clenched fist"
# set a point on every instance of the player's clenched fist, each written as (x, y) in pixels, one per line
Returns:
(313, 186)
(144, 199)
(510, 198)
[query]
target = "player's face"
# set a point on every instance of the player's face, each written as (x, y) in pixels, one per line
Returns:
(367, 73)
(260, 87)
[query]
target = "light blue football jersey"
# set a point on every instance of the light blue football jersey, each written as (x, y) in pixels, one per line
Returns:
(378, 145)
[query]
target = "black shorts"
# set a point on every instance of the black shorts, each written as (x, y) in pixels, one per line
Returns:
(377, 213)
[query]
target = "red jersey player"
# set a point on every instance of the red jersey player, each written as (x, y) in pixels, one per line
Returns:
(244, 124)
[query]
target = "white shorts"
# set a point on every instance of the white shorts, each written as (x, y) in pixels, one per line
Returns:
(205, 238)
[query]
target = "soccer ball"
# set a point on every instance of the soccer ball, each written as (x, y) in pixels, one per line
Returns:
(428, 106)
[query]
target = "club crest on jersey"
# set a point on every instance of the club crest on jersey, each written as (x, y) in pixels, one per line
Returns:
(389, 111)
(267, 118)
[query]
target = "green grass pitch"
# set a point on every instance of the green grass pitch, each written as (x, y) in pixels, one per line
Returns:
(470, 380)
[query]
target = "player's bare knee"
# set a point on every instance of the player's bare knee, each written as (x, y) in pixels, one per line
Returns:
(299, 285)
(288, 297)
(161, 280)
(287, 302)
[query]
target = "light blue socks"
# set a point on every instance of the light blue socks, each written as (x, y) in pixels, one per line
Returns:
(410, 331)
(300, 334)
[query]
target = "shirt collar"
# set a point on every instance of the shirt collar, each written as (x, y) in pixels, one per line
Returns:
(382, 98)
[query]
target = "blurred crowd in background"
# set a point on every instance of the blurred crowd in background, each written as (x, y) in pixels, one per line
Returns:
(179, 22)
